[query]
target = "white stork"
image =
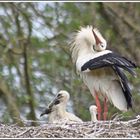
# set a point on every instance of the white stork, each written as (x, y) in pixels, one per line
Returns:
(56, 110)
(102, 70)
(93, 112)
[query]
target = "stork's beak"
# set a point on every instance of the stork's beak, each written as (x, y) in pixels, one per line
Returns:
(96, 38)
(55, 101)
(47, 111)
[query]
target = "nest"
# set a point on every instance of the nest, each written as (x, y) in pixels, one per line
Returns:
(99, 129)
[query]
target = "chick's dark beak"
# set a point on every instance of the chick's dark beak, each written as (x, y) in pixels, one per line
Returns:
(47, 111)
(55, 101)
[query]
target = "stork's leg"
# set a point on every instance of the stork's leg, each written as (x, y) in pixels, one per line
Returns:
(98, 106)
(105, 109)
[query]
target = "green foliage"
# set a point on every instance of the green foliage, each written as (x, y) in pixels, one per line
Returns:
(45, 30)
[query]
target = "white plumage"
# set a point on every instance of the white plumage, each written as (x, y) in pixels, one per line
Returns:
(101, 69)
(93, 112)
(56, 110)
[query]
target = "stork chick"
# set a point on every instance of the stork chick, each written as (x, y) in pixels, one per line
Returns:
(56, 110)
(102, 70)
(93, 112)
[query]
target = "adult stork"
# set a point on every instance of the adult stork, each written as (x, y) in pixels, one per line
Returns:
(102, 70)
(56, 110)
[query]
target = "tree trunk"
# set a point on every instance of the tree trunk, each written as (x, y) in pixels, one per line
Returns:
(11, 103)
(28, 85)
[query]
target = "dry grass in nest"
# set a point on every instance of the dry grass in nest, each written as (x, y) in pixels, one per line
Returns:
(100, 129)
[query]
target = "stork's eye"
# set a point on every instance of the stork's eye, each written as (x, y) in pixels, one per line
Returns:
(57, 102)
(102, 45)
(58, 95)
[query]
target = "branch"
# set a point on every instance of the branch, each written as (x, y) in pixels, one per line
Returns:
(124, 18)
(98, 129)
(110, 19)
(8, 96)
(27, 82)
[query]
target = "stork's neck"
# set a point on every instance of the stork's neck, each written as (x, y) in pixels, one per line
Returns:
(85, 50)
(93, 117)
(61, 109)
(58, 114)
(85, 53)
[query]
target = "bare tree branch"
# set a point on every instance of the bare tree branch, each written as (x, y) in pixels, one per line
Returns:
(12, 107)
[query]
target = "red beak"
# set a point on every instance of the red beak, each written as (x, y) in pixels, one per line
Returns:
(96, 38)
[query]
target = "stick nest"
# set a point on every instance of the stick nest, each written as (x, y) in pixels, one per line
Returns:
(99, 129)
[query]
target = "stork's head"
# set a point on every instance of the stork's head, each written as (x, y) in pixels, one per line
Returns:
(61, 98)
(93, 112)
(87, 39)
(92, 37)
(93, 109)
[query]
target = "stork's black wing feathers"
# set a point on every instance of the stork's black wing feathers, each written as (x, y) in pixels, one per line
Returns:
(124, 85)
(110, 59)
(118, 63)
